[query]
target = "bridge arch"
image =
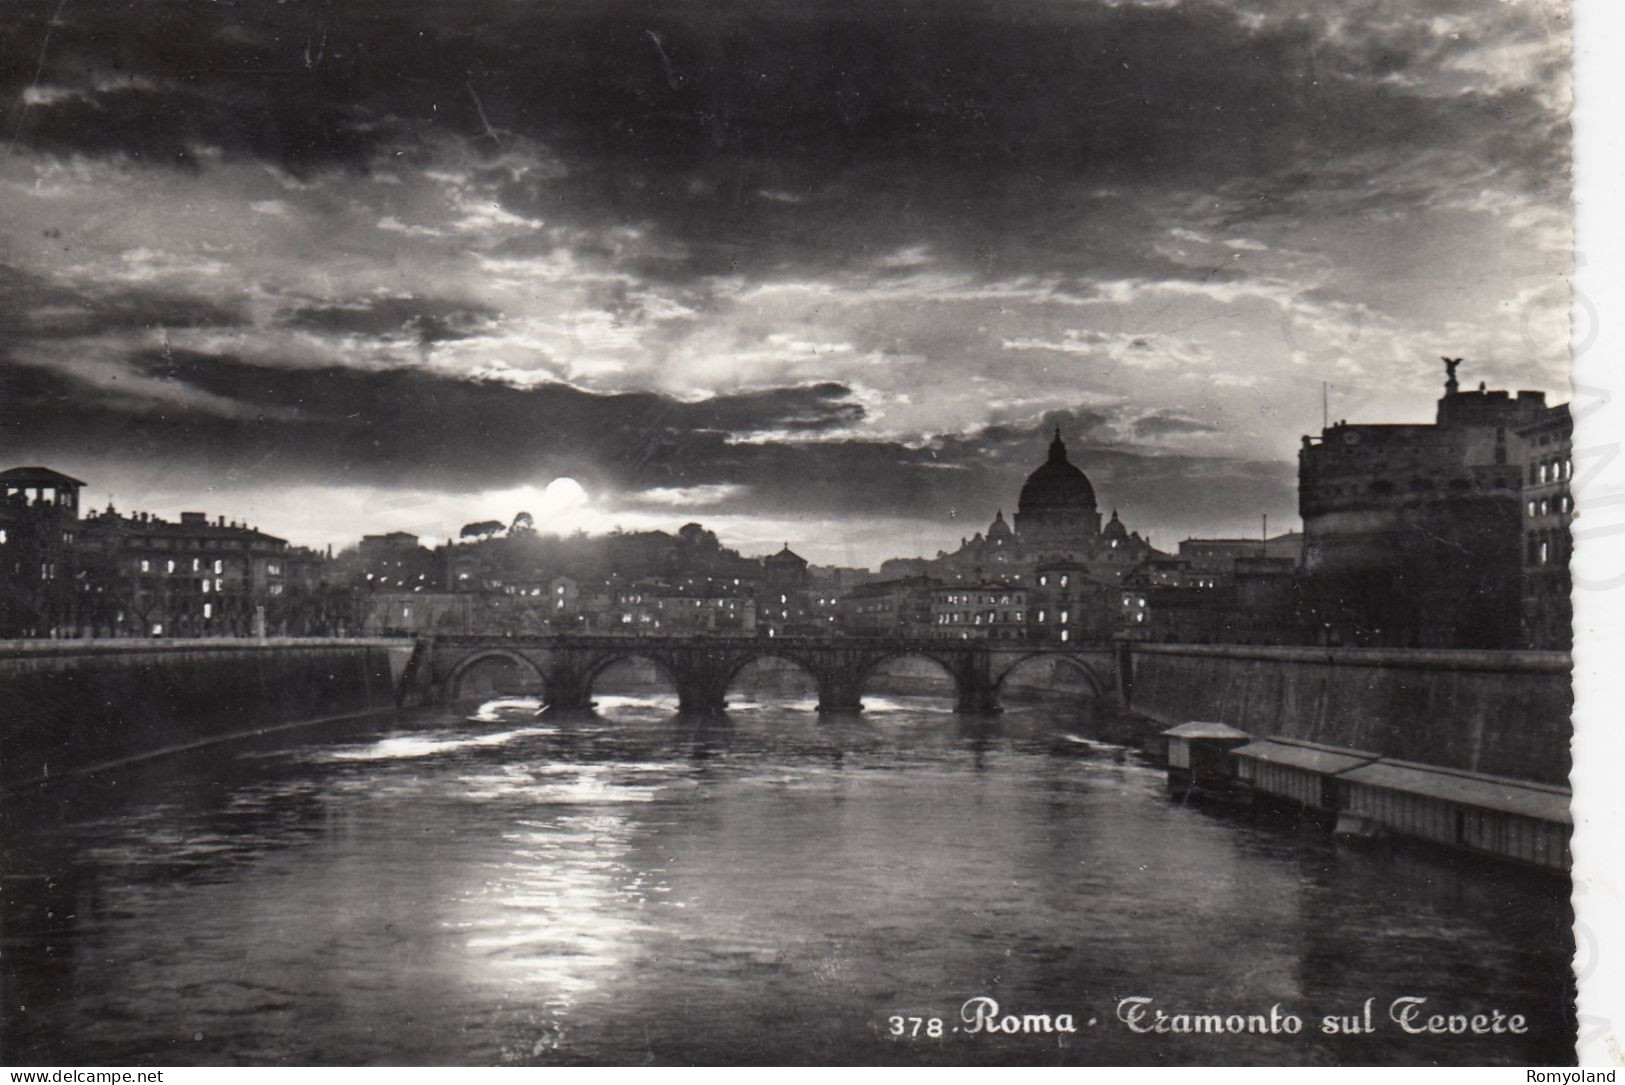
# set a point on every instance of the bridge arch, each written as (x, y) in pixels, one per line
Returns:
(605, 660)
(751, 658)
(1097, 686)
(567, 666)
(459, 673)
(946, 665)
(731, 672)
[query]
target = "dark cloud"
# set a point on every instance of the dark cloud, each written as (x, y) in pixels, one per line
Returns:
(417, 429)
(759, 134)
(34, 307)
(398, 427)
(428, 320)
(179, 125)
(1168, 423)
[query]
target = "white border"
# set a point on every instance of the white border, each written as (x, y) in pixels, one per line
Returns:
(1599, 561)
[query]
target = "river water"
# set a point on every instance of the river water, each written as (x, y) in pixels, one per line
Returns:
(636, 887)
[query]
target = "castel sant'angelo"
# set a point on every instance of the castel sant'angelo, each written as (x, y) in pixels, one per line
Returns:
(1426, 534)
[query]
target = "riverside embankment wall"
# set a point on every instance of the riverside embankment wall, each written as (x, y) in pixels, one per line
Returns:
(1504, 713)
(69, 705)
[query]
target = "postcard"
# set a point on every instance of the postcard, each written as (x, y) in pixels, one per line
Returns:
(731, 532)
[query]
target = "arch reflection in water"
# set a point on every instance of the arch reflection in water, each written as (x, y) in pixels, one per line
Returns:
(910, 683)
(496, 673)
(632, 685)
(772, 683)
(1051, 680)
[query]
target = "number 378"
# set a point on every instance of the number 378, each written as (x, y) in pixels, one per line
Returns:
(911, 1026)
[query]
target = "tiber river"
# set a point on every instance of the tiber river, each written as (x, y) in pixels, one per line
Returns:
(772, 887)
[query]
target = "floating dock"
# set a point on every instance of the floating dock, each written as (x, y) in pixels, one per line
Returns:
(1367, 795)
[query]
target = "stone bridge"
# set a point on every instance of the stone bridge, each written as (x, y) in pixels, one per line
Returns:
(701, 668)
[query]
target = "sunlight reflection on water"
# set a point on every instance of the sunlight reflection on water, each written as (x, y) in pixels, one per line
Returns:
(429, 745)
(635, 885)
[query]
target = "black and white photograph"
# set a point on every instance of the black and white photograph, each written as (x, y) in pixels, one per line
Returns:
(547, 533)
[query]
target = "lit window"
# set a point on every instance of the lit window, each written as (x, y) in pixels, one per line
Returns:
(1545, 552)
(1065, 617)
(1066, 635)
(219, 566)
(197, 565)
(208, 611)
(1064, 579)
(206, 587)
(169, 566)
(1041, 617)
(146, 566)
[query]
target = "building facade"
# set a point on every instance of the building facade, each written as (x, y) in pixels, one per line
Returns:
(1066, 605)
(888, 608)
(990, 610)
(39, 518)
(109, 574)
(1547, 462)
(1213, 561)
(142, 575)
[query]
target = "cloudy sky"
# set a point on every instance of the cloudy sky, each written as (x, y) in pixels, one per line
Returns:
(824, 270)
